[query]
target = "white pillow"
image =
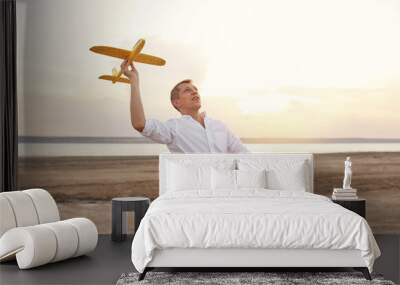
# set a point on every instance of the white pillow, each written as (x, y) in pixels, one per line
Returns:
(282, 174)
(223, 179)
(251, 178)
(182, 177)
(292, 179)
(230, 180)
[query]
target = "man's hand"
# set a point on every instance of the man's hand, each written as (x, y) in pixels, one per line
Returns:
(132, 73)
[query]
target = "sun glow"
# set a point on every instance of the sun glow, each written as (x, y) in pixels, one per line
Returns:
(257, 104)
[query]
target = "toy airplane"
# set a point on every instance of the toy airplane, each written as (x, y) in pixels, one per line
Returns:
(133, 55)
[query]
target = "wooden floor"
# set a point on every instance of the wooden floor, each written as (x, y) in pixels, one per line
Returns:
(110, 259)
(84, 186)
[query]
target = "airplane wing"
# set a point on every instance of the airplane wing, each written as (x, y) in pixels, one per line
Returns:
(149, 59)
(113, 78)
(111, 51)
(124, 54)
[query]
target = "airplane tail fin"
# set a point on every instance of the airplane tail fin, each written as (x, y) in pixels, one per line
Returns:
(115, 79)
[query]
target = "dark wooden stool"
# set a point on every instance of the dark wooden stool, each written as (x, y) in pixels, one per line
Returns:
(139, 205)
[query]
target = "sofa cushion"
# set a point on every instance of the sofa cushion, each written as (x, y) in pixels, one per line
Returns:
(23, 208)
(40, 244)
(7, 216)
(46, 207)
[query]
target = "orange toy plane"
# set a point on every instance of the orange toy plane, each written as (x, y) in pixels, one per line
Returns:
(133, 55)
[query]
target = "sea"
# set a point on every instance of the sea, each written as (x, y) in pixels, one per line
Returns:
(99, 146)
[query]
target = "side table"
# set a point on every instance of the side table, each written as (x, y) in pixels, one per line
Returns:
(139, 205)
(357, 206)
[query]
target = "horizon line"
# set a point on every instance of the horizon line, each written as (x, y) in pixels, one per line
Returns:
(144, 140)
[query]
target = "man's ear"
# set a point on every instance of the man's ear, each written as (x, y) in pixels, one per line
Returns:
(175, 103)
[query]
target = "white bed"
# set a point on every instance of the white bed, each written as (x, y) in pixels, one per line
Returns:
(201, 219)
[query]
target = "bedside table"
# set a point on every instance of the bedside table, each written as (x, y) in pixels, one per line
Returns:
(357, 206)
(139, 205)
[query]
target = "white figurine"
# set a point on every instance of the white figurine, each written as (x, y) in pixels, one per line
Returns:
(347, 174)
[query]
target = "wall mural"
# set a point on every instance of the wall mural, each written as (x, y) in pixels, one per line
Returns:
(283, 76)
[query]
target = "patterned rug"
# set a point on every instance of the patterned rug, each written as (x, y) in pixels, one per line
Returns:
(242, 278)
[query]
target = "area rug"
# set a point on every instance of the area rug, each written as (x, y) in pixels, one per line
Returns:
(269, 278)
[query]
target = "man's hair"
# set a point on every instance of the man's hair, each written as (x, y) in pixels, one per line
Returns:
(175, 91)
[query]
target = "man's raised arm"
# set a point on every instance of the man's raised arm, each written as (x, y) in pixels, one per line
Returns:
(150, 128)
(138, 119)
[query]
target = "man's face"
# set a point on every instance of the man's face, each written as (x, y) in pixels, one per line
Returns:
(189, 99)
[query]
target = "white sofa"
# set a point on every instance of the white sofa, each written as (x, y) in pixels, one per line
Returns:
(31, 231)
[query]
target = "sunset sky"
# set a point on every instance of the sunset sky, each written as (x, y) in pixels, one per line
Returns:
(310, 68)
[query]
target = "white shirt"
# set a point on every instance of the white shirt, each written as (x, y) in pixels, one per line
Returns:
(186, 135)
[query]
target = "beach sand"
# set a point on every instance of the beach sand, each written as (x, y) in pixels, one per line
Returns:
(84, 186)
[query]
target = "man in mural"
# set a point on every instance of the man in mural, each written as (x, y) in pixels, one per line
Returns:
(193, 132)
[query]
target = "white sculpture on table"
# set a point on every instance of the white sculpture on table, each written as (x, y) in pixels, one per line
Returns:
(347, 174)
